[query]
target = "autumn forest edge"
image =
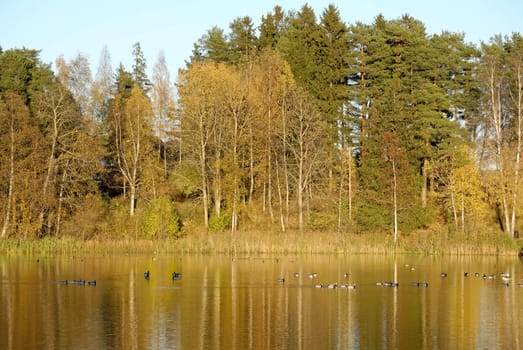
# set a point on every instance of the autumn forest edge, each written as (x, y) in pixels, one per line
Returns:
(303, 123)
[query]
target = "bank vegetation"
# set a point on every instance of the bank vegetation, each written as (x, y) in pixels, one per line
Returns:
(305, 134)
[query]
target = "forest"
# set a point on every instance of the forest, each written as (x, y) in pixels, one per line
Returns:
(304, 123)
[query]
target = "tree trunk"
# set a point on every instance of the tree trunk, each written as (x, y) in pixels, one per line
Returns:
(8, 206)
(280, 199)
(519, 115)
(424, 183)
(395, 200)
(205, 196)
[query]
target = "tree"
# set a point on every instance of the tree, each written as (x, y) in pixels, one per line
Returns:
(271, 28)
(18, 66)
(242, 39)
(62, 124)
(102, 87)
(163, 107)
(462, 191)
(76, 76)
(502, 78)
(299, 47)
(304, 141)
(272, 87)
(131, 124)
(139, 69)
(196, 101)
(18, 150)
(211, 46)
(404, 84)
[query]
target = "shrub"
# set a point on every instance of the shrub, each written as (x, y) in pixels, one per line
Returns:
(219, 223)
(161, 220)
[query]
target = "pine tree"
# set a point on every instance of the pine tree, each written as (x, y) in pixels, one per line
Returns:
(242, 39)
(139, 69)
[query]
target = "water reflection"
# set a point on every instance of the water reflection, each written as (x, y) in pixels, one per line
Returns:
(224, 303)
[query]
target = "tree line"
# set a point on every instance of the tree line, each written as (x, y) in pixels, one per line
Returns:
(302, 123)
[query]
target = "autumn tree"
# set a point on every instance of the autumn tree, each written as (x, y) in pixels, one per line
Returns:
(198, 117)
(501, 77)
(273, 85)
(305, 131)
(131, 121)
(102, 87)
(19, 154)
(164, 124)
(75, 75)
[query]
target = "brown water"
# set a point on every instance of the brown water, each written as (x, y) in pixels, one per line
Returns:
(224, 303)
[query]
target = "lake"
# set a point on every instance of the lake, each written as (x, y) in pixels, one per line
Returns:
(220, 302)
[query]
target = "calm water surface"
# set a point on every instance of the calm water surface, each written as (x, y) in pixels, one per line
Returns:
(238, 303)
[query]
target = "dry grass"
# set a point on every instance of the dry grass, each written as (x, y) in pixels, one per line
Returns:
(254, 243)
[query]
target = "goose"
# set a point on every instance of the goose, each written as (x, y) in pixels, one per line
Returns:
(420, 284)
(348, 286)
(176, 276)
(146, 275)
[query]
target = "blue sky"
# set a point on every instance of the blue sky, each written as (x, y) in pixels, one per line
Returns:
(65, 27)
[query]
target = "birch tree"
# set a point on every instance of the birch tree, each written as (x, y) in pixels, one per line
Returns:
(131, 122)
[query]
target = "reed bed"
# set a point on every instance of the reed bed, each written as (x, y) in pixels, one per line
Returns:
(258, 243)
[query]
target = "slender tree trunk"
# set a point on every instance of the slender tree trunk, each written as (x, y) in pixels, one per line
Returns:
(205, 196)
(217, 186)
(453, 204)
(235, 184)
(180, 142)
(285, 165)
(8, 206)
(251, 166)
(497, 116)
(60, 204)
(350, 187)
(519, 105)
(340, 199)
(280, 199)
(424, 183)
(269, 179)
(301, 188)
(395, 200)
(49, 174)
(462, 213)
(132, 198)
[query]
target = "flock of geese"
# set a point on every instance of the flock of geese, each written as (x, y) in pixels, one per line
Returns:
(78, 282)
(174, 276)
(503, 276)
(146, 275)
